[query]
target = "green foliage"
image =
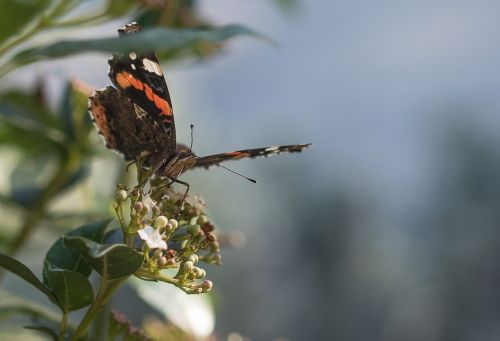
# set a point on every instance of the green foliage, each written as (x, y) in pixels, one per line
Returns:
(30, 10)
(111, 261)
(72, 289)
(16, 267)
(67, 258)
(160, 39)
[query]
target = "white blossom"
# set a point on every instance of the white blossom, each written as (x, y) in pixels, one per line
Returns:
(152, 237)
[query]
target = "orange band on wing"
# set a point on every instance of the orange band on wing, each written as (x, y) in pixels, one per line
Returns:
(238, 155)
(126, 80)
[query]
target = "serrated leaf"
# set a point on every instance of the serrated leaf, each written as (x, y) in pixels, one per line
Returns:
(68, 258)
(159, 39)
(112, 261)
(71, 288)
(21, 270)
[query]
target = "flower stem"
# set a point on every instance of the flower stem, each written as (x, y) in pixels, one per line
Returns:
(106, 291)
(64, 326)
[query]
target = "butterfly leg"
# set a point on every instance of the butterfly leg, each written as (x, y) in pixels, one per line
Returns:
(182, 183)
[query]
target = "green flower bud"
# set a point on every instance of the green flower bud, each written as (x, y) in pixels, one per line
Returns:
(134, 194)
(193, 258)
(121, 195)
(187, 266)
(174, 223)
(162, 261)
(160, 222)
(194, 229)
(199, 273)
(184, 244)
(193, 221)
(202, 219)
(145, 208)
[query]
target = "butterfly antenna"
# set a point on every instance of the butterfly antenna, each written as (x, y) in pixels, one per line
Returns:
(191, 146)
(232, 171)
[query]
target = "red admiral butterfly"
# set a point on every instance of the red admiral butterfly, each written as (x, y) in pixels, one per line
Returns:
(137, 117)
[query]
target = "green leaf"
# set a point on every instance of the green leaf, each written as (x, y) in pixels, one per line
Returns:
(27, 311)
(67, 258)
(28, 180)
(45, 330)
(28, 124)
(71, 288)
(111, 261)
(73, 113)
(159, 39)
(17, 14)
(118, 8)
(21, 270)
(29, 105)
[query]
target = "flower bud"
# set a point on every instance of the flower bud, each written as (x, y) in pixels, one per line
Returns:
(134, 194)
(193, 258)
(162, 261)
(160, 222)
(156, 210)
(174, 223)
(187, 266)
(202, 219)
(121, 195)
(207, 285)
(193, 221)
(194, 229)
(157, 253)
(138, 206)
(171, 261)
(145, 208)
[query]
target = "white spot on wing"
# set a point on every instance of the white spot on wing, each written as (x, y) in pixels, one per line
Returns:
(132, 55)
(133, 66)
(272, 149)
(152, 67)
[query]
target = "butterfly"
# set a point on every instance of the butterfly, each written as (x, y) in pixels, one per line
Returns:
(136, 117)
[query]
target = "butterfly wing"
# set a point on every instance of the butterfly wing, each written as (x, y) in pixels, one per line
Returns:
(124, 126)
(140, 78)
(212, 160)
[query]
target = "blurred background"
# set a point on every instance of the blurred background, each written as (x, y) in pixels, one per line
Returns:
(388, 227)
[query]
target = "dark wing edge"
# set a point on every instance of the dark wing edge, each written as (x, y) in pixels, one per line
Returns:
(212, 160)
